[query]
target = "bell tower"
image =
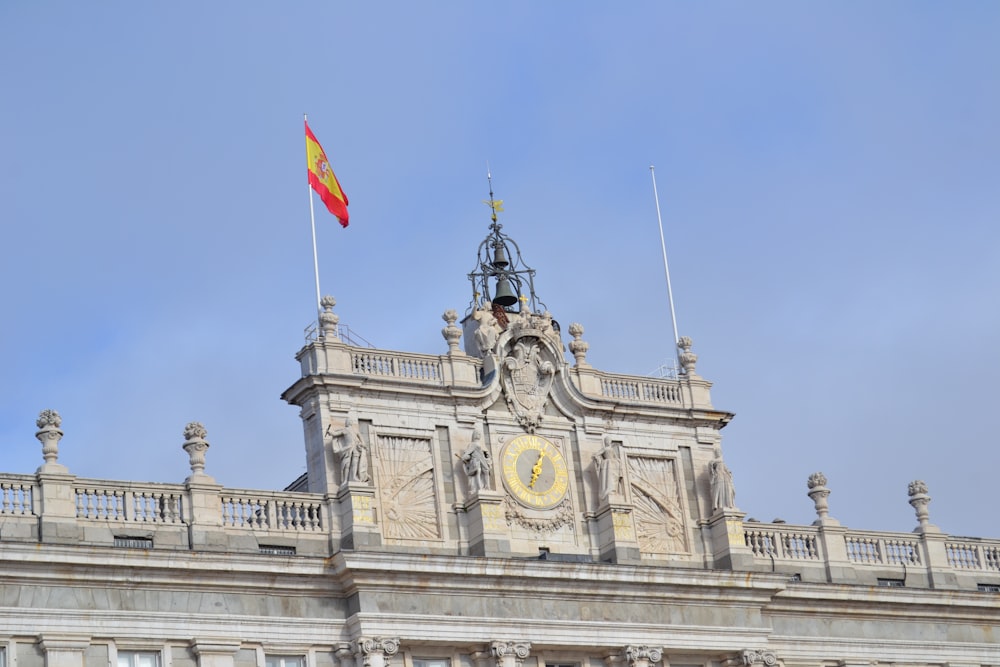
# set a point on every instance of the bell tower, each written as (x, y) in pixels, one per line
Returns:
(501, 446)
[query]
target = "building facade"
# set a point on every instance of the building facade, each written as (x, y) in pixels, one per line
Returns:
(502, 504)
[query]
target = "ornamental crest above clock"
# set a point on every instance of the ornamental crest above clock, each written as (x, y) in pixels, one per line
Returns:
(526, 375)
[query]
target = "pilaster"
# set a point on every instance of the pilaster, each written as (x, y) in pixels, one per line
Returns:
(215, 652)
(64, 650)
(510, 654)
(642, 656)
(375, 651)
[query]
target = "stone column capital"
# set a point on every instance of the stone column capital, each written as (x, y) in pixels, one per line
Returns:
(510, 653)
(376, 651)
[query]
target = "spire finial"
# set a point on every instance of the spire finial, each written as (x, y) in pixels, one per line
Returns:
(496, 205)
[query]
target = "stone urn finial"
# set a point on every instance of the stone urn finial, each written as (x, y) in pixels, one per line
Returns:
(819, 494)
(451, 333)
(328, 319)
(49, 435)
(578, 346)
(687, 358)
(196, 446)
(919, 500)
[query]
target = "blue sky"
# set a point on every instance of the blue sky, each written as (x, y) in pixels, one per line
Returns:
(828, 179)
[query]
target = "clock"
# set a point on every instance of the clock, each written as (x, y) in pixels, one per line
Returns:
(534, 472)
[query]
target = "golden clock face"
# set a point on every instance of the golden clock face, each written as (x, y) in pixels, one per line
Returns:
(534, 472)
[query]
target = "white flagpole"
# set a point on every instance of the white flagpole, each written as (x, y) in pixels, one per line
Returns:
(312, 220)
(666, 267)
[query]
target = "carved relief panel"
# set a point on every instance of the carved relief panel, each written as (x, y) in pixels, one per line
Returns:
(405, 472)
(659, 517)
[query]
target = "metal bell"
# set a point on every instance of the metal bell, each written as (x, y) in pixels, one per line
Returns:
(499, 256)
(505, 295)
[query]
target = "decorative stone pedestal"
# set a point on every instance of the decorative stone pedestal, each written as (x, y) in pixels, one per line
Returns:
(616, 533)
(488, 533)
(357, 517)
(729, 545)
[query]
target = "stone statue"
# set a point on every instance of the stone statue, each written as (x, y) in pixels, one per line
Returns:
(609, 469)
(488, 332)
(723, 492)
(353, 452)
(477, 464)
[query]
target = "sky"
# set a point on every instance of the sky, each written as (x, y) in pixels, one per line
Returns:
(827, 174)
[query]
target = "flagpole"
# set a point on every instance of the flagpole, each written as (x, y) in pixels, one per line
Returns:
(312, 220)
(666, 267)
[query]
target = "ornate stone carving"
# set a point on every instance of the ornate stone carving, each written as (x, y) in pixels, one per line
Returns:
(477, 464)
(328, 319)
(551, 520)
(687, 357)
(642, 656)
(723, 491)
(816, 480)
(578, 346)
(406, 488)
(608, 466)
(352, 452)
(451, 333)
(659, 520)
(195, 431)
(48, 418)
(49, 435)
(195, 445)
(527, 379)
(759, 656)
(376, 651)
(510, 654)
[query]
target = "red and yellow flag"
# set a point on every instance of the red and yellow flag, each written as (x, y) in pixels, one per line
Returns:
(323, 180)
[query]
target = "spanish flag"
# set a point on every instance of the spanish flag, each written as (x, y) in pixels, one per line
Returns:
(323, 180)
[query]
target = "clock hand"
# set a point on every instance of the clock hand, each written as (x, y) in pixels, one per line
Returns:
(536, 470)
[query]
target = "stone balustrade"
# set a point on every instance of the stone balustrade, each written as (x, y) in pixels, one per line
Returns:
(17, 495)
(152, 503)
(399, 365)
(872, 548)
(106, 513)
(872, 556)
(647, 390)
(270, 511)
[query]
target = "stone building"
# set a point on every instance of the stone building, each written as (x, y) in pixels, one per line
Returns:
(503, 504)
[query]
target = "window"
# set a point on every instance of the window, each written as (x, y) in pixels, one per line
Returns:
(3, 656)
(431, 662)
(133, 542)
(276, 550)
(284, 661)
(891, 583)
(138, 659)
(985, 588)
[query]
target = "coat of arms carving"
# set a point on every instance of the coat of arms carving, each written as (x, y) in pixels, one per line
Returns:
(527, 378)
